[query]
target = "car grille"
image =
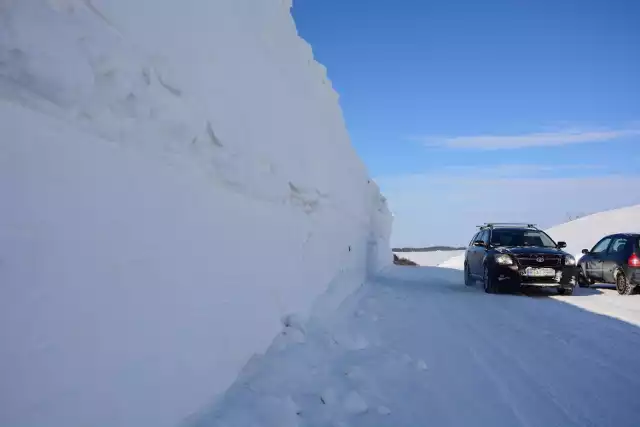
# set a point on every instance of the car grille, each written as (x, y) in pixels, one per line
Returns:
(549, 280)
(532, 260)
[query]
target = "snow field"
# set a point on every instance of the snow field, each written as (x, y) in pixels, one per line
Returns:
(429, 258)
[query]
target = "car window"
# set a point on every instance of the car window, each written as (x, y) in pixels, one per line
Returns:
(474, 238)
(520, 237)
(484, 236)
(601, 246)
(619, 245)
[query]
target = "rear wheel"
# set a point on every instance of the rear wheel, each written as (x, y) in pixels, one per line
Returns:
(468, 280)
(622, 284)
(488, 281)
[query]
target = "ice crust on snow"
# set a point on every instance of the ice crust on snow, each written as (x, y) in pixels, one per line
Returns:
(144, 146)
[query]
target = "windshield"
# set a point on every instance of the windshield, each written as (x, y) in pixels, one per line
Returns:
(515, 237)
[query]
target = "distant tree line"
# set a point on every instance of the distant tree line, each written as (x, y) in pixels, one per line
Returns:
(429, 249)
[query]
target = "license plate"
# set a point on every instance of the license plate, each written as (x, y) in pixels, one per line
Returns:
(539, 272)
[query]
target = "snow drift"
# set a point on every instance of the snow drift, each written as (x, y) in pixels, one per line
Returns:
(429, 258)
(582, 233)
(144, 144)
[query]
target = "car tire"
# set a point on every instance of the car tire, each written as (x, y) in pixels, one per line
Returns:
(488, 282)
(622, 284)
(468, 280)
(565, 291)
(583, 282)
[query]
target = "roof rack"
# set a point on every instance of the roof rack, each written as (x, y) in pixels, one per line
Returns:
(507, 224)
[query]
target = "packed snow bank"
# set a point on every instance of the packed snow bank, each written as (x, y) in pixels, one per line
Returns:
(456, 262)
(582, 233)
(585, 232)
(144, 144)
(429, 258)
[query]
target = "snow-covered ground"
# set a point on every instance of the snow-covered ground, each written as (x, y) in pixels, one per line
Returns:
(415, 347)
(143, 146)
(428, 259)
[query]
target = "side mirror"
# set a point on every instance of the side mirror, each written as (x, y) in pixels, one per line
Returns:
(585, 251)
(479, 243)
(562, 245)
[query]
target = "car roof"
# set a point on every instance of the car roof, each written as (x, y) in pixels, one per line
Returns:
(513, 228)
(624, 234)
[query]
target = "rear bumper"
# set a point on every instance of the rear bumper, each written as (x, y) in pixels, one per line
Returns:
(565, 277)
(634, 276)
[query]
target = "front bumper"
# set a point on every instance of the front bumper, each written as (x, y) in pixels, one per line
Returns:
(565, 277)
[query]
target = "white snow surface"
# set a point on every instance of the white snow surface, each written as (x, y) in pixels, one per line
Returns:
(429, 258)
(443, 354)
(415, 346)
(582, 233)
(145, 144)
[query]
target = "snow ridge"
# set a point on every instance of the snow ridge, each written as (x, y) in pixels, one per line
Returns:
(148, 148)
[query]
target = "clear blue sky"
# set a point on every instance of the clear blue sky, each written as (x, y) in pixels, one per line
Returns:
(455, 104)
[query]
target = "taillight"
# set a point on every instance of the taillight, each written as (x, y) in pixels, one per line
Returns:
(634, 261)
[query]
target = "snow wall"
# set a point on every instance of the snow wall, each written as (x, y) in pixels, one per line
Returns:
(175, 178)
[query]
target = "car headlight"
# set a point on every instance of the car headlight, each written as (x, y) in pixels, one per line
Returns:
(504, 260)
(569, 260)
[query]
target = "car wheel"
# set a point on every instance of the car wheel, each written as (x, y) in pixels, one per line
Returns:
(468, 281)
(565, 291)
(583, 282)
(622, 285)
(488, 282)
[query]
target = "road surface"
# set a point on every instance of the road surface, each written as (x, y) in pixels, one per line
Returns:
(415, 347)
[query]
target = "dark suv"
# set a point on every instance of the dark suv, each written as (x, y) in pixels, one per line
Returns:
(506, 257)
(614, 259)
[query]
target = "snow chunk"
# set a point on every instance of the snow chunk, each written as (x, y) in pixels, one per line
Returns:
(294, 321)
(354, 403)
(329, 397)
(421, 365)
(293, 335)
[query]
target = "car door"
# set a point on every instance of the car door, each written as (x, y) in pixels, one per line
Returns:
(470, 252)
(478, 254)
(618, 252)
(595, 258)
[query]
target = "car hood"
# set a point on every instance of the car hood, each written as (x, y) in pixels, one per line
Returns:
(523, 250)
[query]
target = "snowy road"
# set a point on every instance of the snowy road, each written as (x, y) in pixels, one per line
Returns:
(418, 348)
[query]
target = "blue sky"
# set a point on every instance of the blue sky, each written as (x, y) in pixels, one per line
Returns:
(454, 105)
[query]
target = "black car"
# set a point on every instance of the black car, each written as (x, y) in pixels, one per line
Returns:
(615, 259)
(506, 257)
